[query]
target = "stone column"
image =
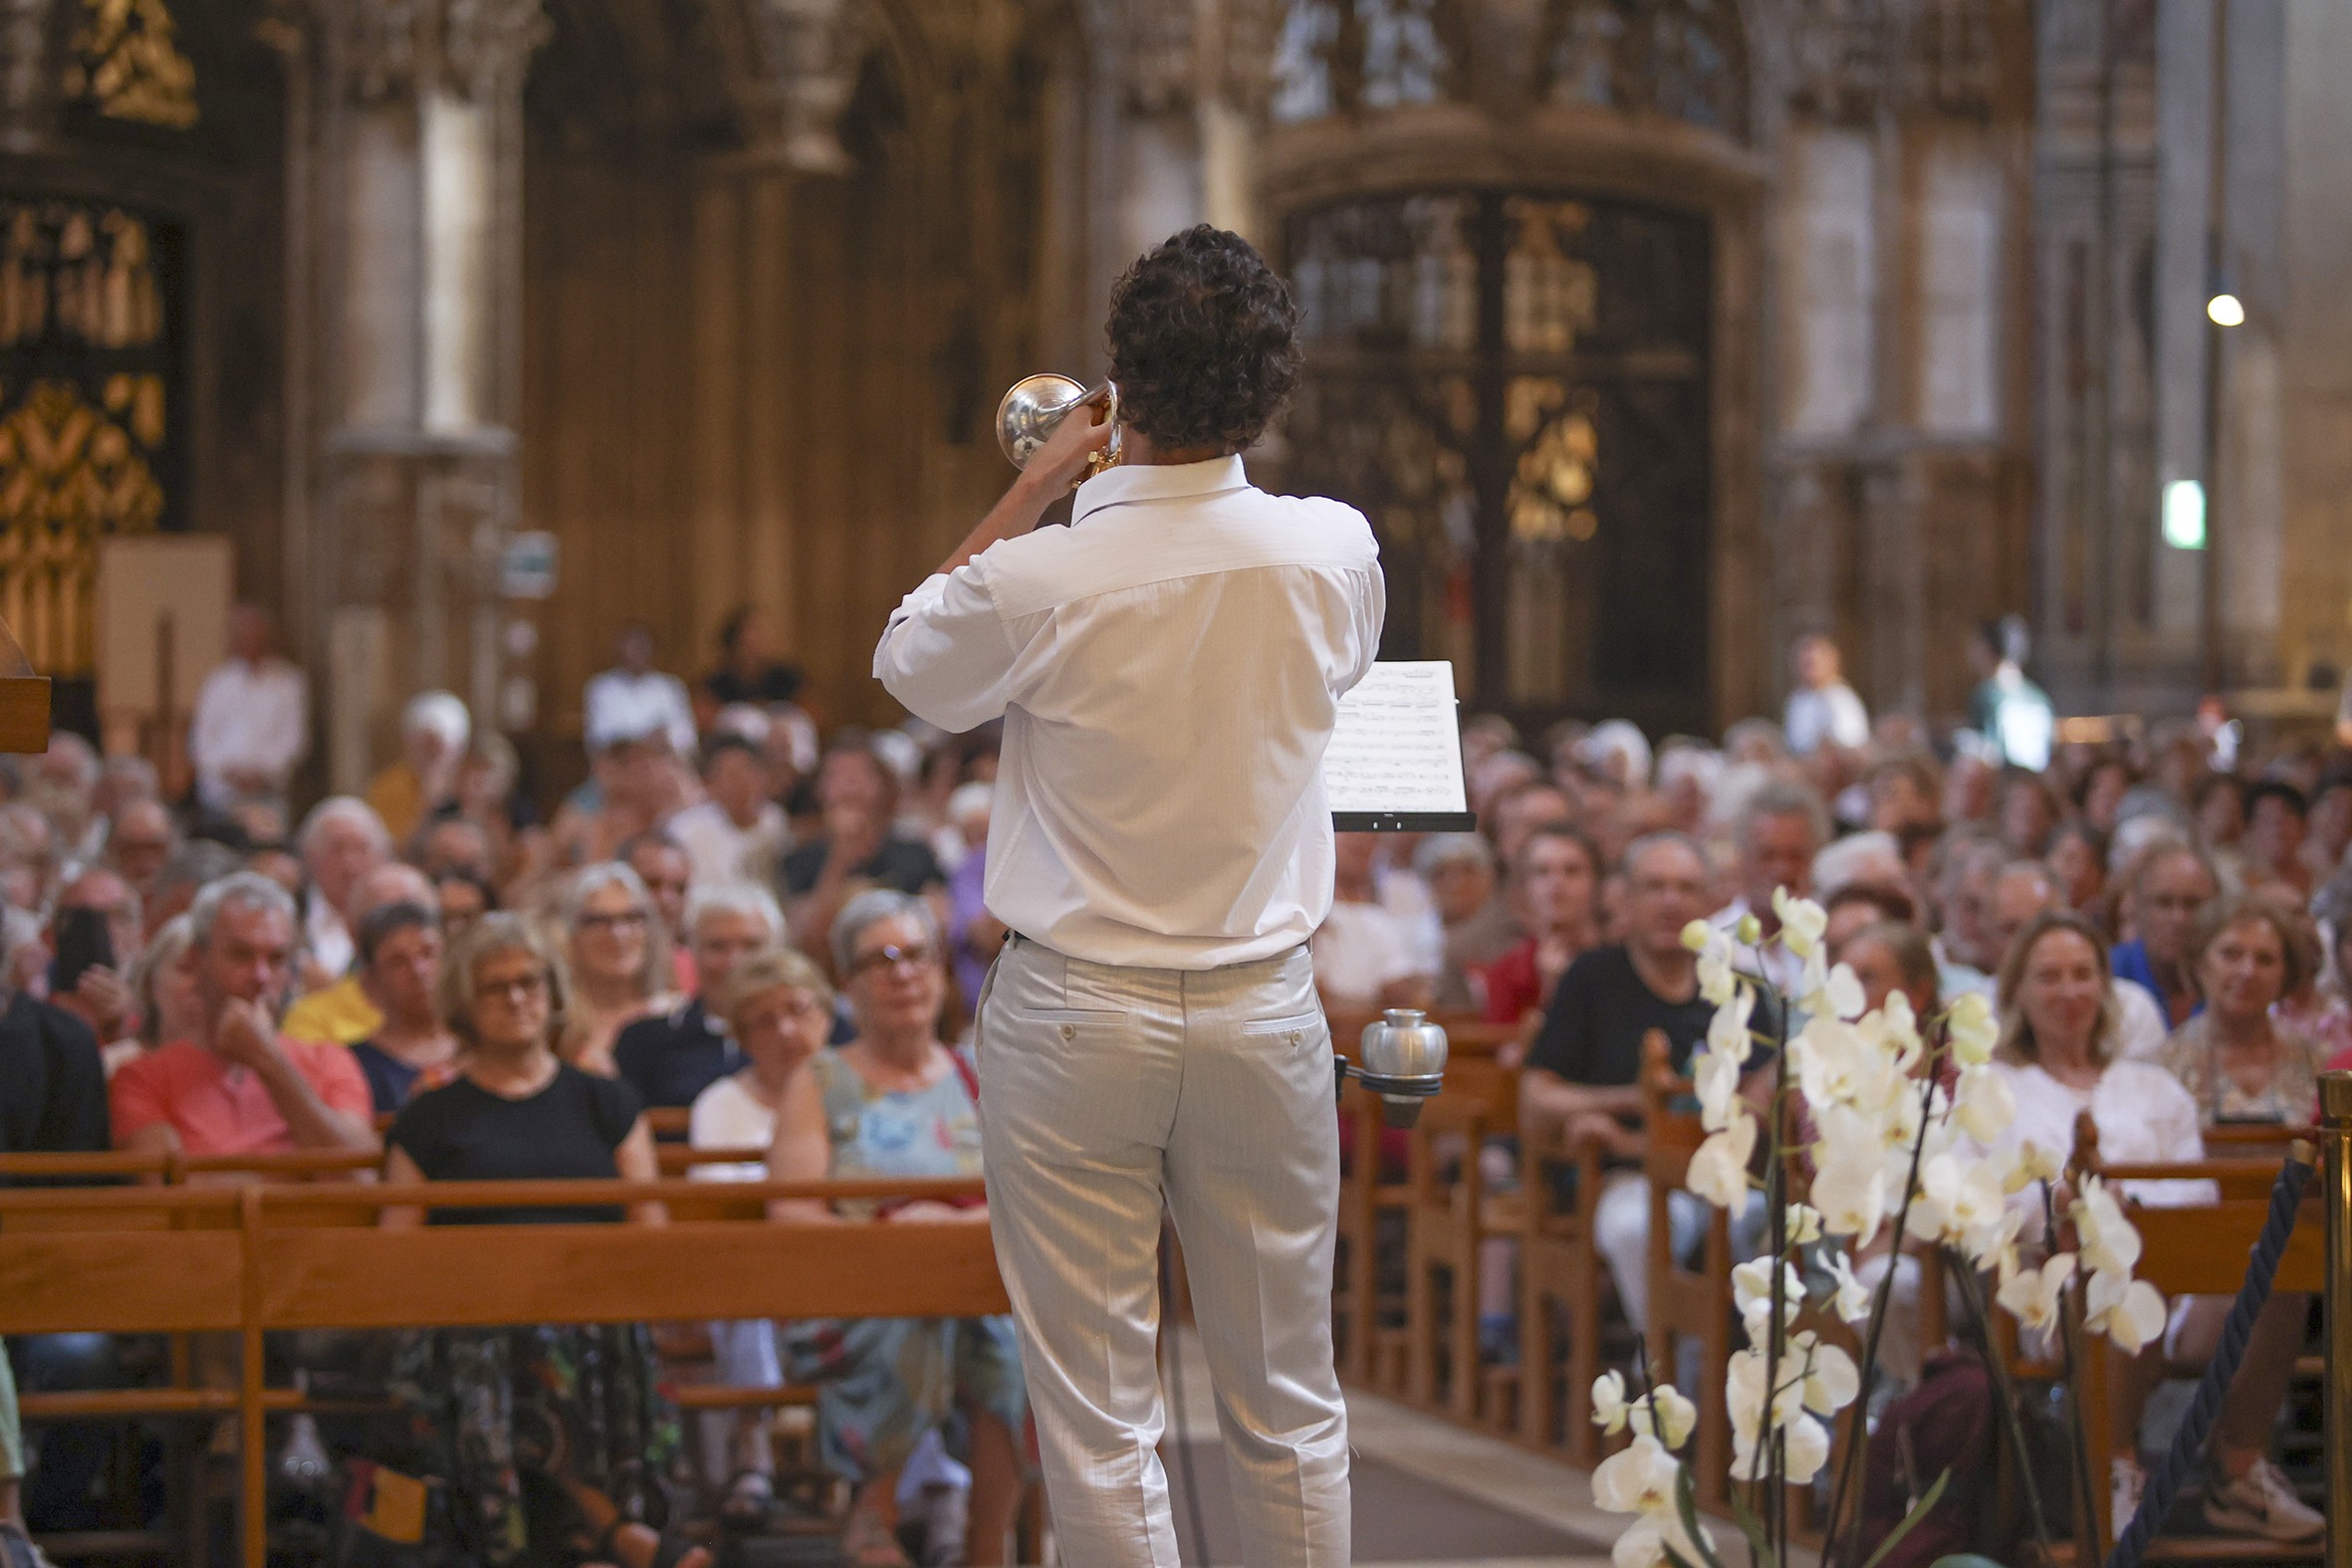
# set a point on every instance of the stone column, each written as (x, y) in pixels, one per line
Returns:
(405, 196)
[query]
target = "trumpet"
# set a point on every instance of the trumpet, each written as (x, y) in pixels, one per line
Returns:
(1037, 405)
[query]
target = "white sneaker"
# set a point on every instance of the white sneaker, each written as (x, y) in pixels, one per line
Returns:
(2126, 1481)
(2263, 1502)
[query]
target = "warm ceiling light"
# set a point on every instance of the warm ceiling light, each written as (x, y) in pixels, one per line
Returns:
(2226, 310)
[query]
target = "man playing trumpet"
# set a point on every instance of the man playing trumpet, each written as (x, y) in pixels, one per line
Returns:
(1168, 668)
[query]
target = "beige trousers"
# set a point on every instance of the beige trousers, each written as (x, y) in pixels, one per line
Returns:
(1108, 1094)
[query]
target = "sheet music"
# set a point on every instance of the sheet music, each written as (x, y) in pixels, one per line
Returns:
(1397, 746)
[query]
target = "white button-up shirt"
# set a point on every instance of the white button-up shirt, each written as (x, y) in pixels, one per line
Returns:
(249, 718)
(1168, 668)
(619, 706)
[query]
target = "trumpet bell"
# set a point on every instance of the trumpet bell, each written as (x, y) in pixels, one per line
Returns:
(1036, 404)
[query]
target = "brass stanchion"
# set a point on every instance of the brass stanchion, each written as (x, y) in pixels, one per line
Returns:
(2335, 1131)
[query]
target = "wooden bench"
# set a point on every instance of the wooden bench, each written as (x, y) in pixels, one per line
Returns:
(1450, 1211)
(1686, 1303)
(1560, 1274)
(2198, 1249)
(256, 1258)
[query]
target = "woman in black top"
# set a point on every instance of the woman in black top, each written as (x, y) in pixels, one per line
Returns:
(550, 1443)
(745, 674)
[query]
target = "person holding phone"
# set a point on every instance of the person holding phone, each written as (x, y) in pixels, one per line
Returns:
(94, 938)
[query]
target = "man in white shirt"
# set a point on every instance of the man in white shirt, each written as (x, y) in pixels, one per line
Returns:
(251, 727)
(633, 700)
(1823, 709)
(737, 833)
(1168, 669)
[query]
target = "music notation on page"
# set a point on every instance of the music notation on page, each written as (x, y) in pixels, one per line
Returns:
(1396, 748)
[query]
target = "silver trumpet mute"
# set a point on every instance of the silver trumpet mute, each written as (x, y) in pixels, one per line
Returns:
(1036, 407)
(1402, 1058)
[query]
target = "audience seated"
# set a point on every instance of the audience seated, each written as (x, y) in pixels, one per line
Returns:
(1459, 871)
(779, 1009)
(2167, 894)
(434, 729)
(1365, 955)
(2058, 1052)
(551, 1442)
(1779, 832)
(140, 841)
(1583, 1070)
(738, 833)
(617, 952)
(165, 993)
(895, 1101)
(97, 992)
(667, 874)
(672, 1057)
(857, 846)
(400, 949)
(345, 1010)
(237, 1085)
(1556, 886)
(342, 841)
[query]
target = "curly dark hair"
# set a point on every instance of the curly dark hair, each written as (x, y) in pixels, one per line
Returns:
(1203, 341)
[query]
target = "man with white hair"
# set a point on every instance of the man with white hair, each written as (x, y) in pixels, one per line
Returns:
(674, 1056)
(434, 730)
(239, 1086)
(252, 722)
(341, 841)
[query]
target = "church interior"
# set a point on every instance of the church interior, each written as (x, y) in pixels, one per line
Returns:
(1700, 365)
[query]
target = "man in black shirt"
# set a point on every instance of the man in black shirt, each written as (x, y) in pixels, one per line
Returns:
(1583, 1071)
(672, 1057)
(855, 848)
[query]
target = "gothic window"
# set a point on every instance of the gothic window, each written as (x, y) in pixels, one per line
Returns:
(1335, 56)
(87, 438)
(128, 63)
(1684, 59)
(1512, 387)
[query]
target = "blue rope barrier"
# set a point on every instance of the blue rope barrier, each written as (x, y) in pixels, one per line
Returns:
(2164, 1487)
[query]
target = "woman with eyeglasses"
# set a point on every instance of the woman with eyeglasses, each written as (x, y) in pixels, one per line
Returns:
(895, 1101)
(618, 952)
(549, 1443)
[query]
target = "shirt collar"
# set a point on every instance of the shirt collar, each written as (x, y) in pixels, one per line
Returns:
(1120, 484)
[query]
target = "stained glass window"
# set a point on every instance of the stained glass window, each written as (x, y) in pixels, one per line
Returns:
(128, 63)
(87, 444)
(1513, 389)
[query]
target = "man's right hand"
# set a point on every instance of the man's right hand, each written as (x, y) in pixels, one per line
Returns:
(1061, 462)
(104, 999)
(244, 1034)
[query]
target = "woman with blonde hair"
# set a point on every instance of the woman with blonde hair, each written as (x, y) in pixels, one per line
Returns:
(618, 950)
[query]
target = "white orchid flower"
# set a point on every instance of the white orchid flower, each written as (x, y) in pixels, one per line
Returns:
(1716, 1077)
(1842, 994)
(1966, 1194)
(1804, 1225)
(1728, 1032)
(1659, 1541)
(2110, 1242)
(1743, 1393)
(1718, 981)
(1831, 1380)
(1974, 1030)
(1609, 1410)
(1802, 922)
(1850, 1299)
(2032, 1296)
(1986, 1105)
(1669, 1414)
(1850, 1192)
(1837, 1064)
(1751, 1291)
(1900, 1027)
(2128, 1311)
(1638, 1479)
(1806, 1449)
(2039, 1164)
(1718, 1167)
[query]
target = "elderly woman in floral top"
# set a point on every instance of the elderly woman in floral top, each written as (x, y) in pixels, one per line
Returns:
(2236, 1058)
(2242, 1064)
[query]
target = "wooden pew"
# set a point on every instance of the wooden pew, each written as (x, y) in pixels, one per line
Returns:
(2196, 1250)
(1449, 1211)
(257, 1258)
(1560, 1275)
(1687, 1304)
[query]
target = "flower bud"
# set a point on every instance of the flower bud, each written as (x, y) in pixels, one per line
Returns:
(1696, 933)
